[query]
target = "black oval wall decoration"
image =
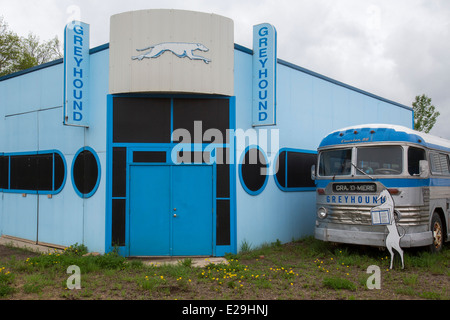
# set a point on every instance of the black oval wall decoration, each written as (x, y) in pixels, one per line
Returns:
(252, 169)
(86, 173)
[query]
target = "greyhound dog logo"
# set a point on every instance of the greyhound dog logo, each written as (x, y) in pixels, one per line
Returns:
(180, 49)
(385, 214)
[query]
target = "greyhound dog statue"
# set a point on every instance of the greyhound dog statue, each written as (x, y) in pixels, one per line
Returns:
(393, 238)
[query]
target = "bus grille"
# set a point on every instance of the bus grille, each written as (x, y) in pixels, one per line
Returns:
(410, 216)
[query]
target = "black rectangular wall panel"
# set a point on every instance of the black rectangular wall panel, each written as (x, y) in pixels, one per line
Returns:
(213, 114)
(141, 120)
(299, 169)
(45, 172)
(281, 169)
(60, 171)
(4, 172)
(191, 157)
(118, 222)
(223, 173)
(119, 177)
(223, 223)
(24, 172)
(149, 156)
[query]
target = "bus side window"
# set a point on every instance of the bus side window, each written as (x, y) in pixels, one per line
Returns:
(414, 157)
(439, 163)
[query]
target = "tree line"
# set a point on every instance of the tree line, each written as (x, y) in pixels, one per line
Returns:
(20, 53)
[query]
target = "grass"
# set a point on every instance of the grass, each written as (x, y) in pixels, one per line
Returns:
(338, 283)
(304, 269)
(6, 279)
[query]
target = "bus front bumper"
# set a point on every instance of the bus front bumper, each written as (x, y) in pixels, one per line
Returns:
(370, 237)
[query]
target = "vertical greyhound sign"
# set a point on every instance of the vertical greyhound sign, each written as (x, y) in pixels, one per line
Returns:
(384, 215)
(264, 74)
(76, 74)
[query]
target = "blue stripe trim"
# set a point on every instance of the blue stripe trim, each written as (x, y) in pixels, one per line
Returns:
(243, 49)
(99, 48)
(393, 183)
(29, 70)
(440, 182)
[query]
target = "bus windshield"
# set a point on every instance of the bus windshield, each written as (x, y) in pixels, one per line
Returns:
(381, 160)
(375, 160)
(335, 162)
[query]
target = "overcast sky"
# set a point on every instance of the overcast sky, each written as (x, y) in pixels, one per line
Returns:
(396, 49)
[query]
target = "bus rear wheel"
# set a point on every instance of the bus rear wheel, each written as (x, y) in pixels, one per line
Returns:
(438, 233)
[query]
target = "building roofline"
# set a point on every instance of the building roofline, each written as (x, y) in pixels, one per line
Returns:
(49, 64)
(236, 47)
(320, 76)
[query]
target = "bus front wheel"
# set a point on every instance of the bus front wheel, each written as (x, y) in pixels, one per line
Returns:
(438, 233)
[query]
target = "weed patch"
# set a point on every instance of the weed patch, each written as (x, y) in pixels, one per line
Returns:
(304, 269)
(6, 279)
(338, 283)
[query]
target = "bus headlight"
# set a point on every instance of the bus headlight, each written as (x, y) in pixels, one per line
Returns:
(322, 213)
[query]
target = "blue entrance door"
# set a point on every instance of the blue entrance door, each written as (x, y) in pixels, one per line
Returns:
(192, 210)
(171, 210)
(149, 206)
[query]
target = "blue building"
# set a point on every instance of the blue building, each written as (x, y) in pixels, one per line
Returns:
(170, 140)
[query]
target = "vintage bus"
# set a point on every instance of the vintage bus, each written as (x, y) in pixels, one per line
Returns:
(356, 164)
